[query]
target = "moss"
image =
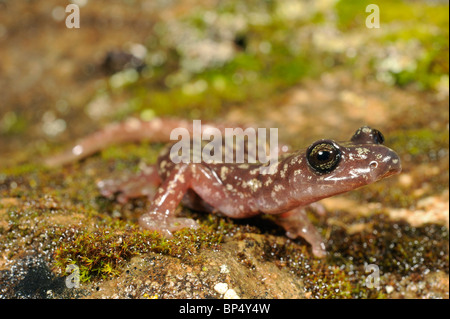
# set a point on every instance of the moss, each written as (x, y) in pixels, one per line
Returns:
(420, 144)
(12, 123)
(99, 253)
(424, 24)
(102, 252)
(20, 169)
(98, 244)
(430, 65)
(132, 152)
(352, 14)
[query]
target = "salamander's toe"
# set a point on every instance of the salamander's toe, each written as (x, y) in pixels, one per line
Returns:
(164, 224)
(297, 224)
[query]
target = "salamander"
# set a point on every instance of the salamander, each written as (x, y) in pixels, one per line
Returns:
(241, 190)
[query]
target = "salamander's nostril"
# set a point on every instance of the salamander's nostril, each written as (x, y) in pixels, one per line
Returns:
(373, 164)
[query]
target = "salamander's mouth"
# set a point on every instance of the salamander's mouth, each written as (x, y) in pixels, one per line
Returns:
(392, 171)
(388, 166)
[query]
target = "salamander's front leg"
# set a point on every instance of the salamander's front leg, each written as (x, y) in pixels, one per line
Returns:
(297, 224)
(161, 216)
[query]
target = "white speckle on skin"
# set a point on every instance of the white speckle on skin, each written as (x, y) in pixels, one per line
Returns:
(274, 195)
(269, 168)
(254, 184)
(362, 151)
(366, 130)
(283, 172)
(224, 172)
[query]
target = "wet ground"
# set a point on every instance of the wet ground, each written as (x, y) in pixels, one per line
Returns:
(310, 69)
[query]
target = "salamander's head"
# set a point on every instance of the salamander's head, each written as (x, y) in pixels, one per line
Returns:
(332, 168)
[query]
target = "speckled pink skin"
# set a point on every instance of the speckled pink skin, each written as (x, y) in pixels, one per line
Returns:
(241, 190)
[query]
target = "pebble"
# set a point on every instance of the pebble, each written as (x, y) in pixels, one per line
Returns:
(389, 289)
(221, 287)
(231, 294)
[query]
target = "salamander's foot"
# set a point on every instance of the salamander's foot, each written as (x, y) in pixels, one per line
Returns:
(297, 224)
(143, 184)
(165, 224)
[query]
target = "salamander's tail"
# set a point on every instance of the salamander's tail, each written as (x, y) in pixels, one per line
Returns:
(131, 130)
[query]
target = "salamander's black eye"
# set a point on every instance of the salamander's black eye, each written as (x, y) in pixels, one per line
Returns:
(323, 156)
(367, 135)
(378, 138)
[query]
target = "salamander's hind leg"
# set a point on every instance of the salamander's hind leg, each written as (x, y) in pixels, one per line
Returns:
(142, 184)
(297, 224)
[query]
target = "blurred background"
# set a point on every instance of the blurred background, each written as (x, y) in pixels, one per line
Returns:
(307, 67)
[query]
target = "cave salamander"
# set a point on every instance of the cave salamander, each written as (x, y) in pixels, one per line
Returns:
(240, 190)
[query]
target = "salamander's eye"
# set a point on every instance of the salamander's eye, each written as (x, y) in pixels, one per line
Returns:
(367, 135)
(378, 138)
(323, 156)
